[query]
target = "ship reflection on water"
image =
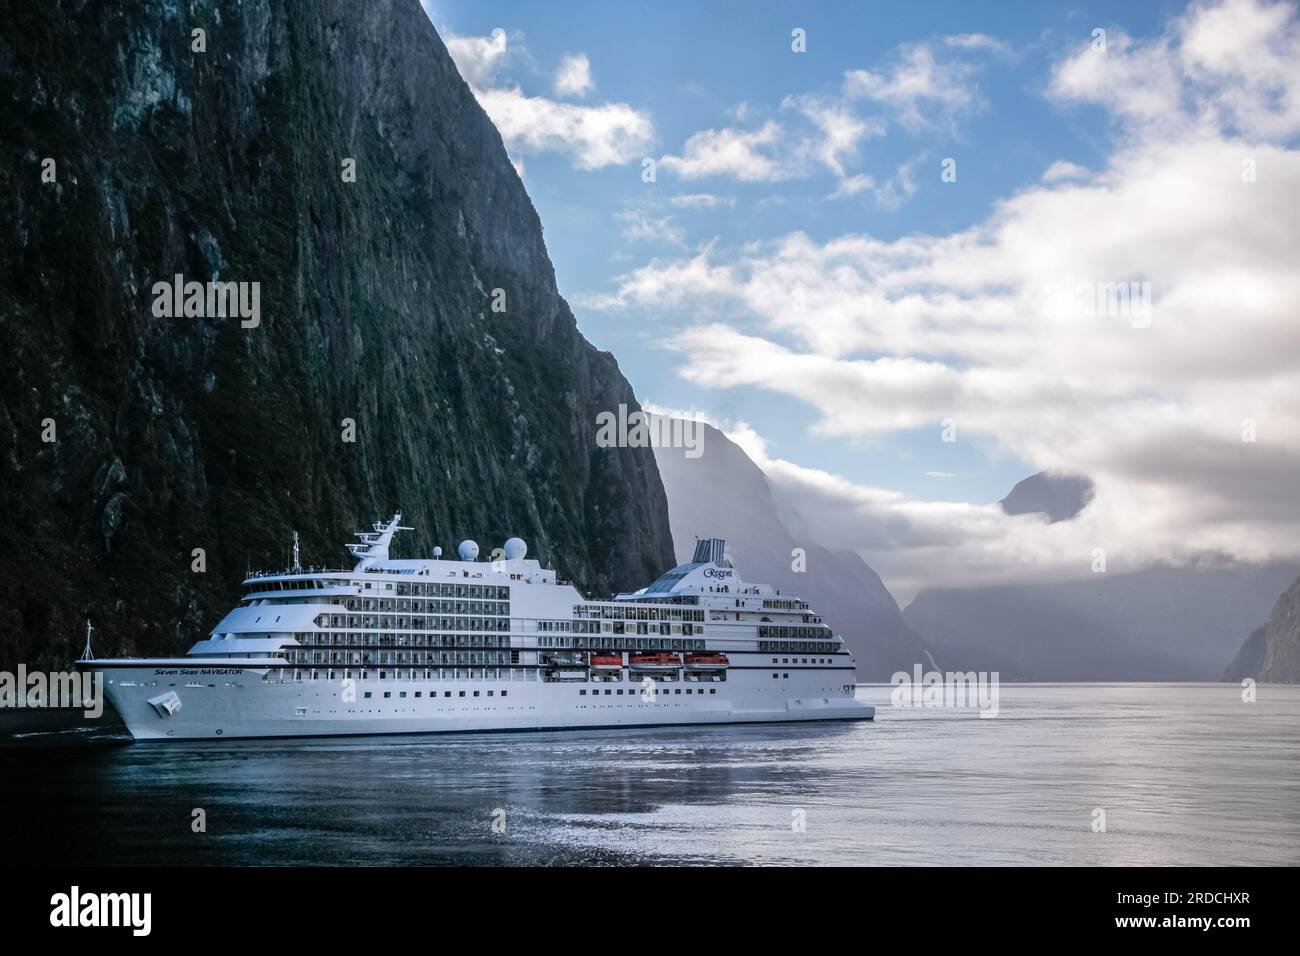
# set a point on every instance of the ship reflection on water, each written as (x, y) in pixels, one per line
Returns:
(1172, 765)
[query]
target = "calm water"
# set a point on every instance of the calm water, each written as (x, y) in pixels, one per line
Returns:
(1186, 774)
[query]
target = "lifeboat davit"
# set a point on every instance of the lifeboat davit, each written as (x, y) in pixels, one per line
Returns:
(706, 662)
(606, 662)
(663, 661)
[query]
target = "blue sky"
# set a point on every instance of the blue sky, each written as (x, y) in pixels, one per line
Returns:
(772, 162)
(688, 69)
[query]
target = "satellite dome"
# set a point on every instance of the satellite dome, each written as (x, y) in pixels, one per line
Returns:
(468, 551)
(516, 548)
(437, 552)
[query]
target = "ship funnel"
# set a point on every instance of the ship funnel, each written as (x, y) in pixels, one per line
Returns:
(710, 550)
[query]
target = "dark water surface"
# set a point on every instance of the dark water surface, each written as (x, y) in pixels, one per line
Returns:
(1185, 774)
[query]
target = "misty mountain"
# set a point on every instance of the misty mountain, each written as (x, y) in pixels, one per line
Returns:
(1055, 497)
(135, 448)
(722, 493)
(1158, 624)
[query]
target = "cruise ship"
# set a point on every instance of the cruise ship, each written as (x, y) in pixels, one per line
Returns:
(402, 646)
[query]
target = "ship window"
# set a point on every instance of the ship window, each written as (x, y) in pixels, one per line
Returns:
(713, 690)
(387, 694)
(504, 692)
(775, 675)
(402, 695)
(582, 693)
(446, 693)
(475, 694)
(490, 693)
(462, 693)
(367, 695)
(785, 675)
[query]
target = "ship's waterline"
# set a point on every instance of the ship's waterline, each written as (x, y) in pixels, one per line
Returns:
(419, 646)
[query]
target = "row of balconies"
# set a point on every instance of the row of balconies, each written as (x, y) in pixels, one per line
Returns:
(491, 608)
(342, 639)
(414, 623)
(416, 659)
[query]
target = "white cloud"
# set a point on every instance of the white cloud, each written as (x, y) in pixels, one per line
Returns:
(745, 155)
(821, 133)
(976, 41)
(638, 226)
(914, 543)
(1135, 81)
(853, 185)
(478, 58)
(839, 132)
(1230, 67)
(923, 92)
(1063, 169)
(900, 187)
(776, 151)
(889, 336)
(702, 201)
(592, 136)
(573, 78)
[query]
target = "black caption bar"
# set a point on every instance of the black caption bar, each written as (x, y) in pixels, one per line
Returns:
(333, 905)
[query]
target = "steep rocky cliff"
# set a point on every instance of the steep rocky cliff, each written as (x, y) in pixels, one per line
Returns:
(175, 434)
(1272, 652)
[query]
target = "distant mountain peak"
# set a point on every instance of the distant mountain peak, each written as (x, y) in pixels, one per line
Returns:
(1058, 497)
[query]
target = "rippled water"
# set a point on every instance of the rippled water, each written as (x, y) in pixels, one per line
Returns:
(1186, 774)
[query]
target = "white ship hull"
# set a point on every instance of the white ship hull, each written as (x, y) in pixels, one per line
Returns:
(222, 702)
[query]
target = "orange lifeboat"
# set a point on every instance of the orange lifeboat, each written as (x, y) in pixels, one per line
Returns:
(662, 661)
(706, 662)
(606, 662)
